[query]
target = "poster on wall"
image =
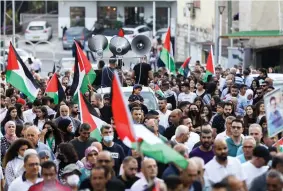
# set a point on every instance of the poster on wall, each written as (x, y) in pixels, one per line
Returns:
(273, 102)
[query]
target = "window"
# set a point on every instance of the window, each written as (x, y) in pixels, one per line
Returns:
(162, 18)
(36, 28)
(141, 30)
(77, 16)
(107, 16)
(134, 15)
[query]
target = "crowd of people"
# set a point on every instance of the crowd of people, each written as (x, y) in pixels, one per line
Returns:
(218, 126)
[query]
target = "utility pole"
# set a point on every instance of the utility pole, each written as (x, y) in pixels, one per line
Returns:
(230, 20)
(216, 32)
(14, 22)
(4, 24)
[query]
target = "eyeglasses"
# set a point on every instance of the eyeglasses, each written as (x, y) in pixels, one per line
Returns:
(104, 161)
(33, 164)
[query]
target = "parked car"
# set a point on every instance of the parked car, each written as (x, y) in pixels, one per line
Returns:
(22, 53)
(160, 33)
(150, 100)
(38, 31)
(78, 33)
(132, 31)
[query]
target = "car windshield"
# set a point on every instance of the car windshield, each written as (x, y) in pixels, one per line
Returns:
(74, 31)
(36, 28)
(128, 32)
(149, 99)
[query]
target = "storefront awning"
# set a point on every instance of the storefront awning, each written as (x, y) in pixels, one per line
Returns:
(254, 34)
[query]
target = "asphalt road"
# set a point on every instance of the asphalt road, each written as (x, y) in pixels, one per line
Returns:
(52, 52)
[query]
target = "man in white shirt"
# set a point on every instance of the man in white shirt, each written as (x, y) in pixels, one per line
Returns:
(193, 137)
(227, 133)
(222, 165)
(30, 176)
(181, 135)
(29, 115)
(186, 94)
(257, 165)
(163, 112)
(149, 170)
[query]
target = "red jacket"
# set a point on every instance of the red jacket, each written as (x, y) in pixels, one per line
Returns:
(58, 187)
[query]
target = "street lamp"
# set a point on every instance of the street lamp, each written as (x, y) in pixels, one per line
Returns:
(189, 5)
(221, 9)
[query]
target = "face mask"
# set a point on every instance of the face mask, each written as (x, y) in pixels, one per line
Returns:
(20, 157)
(73, 180)
(108, 138)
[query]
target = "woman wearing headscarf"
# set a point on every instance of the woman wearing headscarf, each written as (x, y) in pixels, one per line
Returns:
(9, 137)
(249, 95)
(14, 160)
(65, 125)
(90, 156)
(11, 115)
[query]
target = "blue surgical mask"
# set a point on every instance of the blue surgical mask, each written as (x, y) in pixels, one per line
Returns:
(108, 138)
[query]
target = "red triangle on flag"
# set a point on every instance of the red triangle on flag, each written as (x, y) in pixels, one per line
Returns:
(121, 115)
(12, 59)
(86, 117)
(52, 85)
(209, 62)
(121, 33)
(84, 63)
(167, 40)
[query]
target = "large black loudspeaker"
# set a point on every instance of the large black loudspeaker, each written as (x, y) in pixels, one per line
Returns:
(97, 44)
(119, 45)
(141, 45)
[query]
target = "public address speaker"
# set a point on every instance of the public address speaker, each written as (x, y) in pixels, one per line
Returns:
(119, 45)
(97, 44)
(141, 45)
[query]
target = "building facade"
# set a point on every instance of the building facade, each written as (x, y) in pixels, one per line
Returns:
(114, 13)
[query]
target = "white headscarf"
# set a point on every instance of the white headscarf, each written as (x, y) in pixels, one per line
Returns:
(249, 92)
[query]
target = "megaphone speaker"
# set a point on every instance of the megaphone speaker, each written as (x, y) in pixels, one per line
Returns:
(119, 45)
(97, 43)
(141, 45)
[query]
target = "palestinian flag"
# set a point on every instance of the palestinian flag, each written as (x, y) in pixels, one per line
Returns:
(19, 76)
(184, 69)
(121, 32)
(121, 115)
(84, 74)
(209, 66)
(55, 90)
(158, 91)
(166, 58)
(152, 146)
(138, 136)
(89, 115)
(279, 145)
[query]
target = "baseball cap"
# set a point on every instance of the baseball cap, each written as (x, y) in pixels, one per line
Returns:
(136, 86)
(44, 153)
(106, 96)
(262, 152)
(71, 168)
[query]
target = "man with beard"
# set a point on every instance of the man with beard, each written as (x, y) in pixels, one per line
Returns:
(3, 109)
(205, 150)
(222, 165)
(193, 137)
(130, 168)
(104, 110)
(169, 94)
(75, 111)
(174, 118)
(163, 112)
(218, 123)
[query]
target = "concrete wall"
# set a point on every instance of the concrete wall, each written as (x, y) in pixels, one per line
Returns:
(259, 15)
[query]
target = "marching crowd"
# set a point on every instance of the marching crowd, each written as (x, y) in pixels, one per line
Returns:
(219, 126)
